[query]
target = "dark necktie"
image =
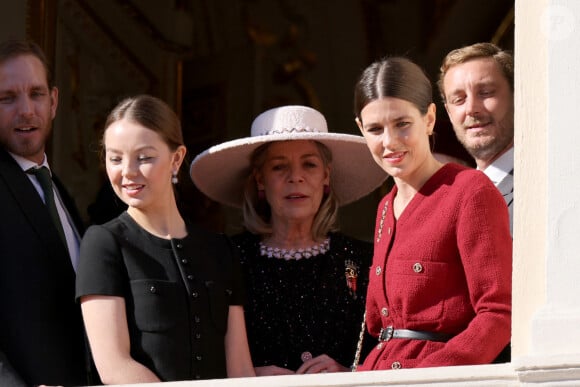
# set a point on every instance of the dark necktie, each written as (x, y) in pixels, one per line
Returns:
(43, 176)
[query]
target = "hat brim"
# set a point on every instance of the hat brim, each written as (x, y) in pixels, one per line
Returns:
(221, 171)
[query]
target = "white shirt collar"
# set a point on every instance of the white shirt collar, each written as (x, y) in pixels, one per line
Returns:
(26, 164)
(501, 167)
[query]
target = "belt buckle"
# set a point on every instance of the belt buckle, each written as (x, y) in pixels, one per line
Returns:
(386, 334)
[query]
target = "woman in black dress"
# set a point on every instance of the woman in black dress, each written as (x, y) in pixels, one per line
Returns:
(305, 282)
(161, 299)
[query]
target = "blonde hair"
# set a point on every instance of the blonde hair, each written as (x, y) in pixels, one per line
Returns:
(257, 212)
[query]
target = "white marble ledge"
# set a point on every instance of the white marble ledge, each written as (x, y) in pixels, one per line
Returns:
(536, 371)
(548, 370)
(501, 375)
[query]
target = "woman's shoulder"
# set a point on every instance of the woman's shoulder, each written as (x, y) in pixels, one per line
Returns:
(462, 171)
(465, 177)
(463, 185)
(107, 229)
(247, 245)
(102, 241)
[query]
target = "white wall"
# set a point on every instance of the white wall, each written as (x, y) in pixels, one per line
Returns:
(531, 101)
(556, 326)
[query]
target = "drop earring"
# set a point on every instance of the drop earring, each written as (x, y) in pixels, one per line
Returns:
(174, 178)
(261, 194)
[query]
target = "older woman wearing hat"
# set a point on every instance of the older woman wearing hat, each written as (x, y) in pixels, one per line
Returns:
(306, 283)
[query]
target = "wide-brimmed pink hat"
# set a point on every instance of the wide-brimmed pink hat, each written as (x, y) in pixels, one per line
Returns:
(221, 171)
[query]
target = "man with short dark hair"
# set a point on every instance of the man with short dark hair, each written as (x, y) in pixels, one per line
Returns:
(41, 332)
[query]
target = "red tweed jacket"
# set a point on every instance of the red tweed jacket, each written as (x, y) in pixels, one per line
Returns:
(444, 266)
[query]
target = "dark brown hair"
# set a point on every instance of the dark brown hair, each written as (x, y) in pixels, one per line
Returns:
(152, 113)
(395, 77)
(503, 58)
(12, 48)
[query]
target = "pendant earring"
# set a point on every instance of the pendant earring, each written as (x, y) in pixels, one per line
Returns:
(174, 178)
(326, 189)
(261, 194)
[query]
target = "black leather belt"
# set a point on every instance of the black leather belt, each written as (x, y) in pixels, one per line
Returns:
(389, 333)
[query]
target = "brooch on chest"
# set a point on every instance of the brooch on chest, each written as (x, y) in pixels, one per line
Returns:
(351, 275)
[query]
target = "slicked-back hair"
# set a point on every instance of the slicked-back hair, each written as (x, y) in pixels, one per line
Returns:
(151, 113)
(394, 77)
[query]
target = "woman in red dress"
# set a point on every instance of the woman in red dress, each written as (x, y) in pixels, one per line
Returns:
(440, 284)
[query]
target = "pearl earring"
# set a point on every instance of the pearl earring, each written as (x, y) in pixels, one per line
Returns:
(174, 178)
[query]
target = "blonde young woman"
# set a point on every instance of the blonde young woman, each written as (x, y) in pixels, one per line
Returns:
(161, 299)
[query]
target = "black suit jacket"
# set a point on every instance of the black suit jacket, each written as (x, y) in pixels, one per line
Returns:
(41, 332)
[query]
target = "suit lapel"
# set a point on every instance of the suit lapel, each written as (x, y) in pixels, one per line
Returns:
(30, 203)
(506, 187)
(70, 206)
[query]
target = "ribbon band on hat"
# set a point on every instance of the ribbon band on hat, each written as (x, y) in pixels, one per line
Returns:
(221, 171)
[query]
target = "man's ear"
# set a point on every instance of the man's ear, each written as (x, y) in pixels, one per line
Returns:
(53, 101)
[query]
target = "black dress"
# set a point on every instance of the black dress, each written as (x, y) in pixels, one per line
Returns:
(177, 293)
(307, 306)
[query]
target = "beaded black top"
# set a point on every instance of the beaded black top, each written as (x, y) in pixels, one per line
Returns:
(306, 307)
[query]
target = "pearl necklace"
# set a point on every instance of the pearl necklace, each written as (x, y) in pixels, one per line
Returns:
(296, 254)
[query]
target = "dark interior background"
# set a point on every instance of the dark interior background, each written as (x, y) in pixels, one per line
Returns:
(219, 63)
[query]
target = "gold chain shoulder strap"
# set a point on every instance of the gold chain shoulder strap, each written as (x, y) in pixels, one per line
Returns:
(359, 344)
(382, 221)
(361, 335)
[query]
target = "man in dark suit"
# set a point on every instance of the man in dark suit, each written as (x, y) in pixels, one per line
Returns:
(476, 83)
(41, 332)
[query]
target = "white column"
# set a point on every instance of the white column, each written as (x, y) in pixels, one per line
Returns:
(531, 101)
(547, 238)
